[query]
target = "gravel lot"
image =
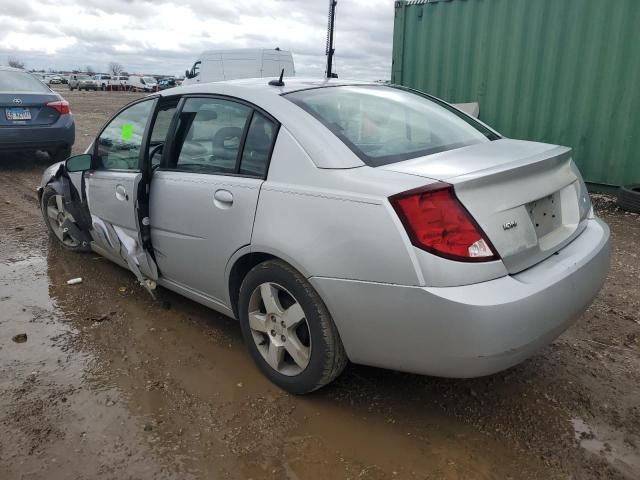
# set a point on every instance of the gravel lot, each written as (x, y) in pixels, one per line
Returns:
(110, 384)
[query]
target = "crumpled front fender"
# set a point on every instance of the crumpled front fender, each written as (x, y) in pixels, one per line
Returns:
(52, 172)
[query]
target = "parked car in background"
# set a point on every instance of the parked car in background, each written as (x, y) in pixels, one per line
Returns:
(119, 82)
(33, 117)
(142, 84)
(103, 81)
(53, 79)
(82, 82)
(217, 65)
(165, 83)
(340, 221)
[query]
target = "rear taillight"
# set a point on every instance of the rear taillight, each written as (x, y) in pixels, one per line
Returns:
(62, 106)
(437, 222)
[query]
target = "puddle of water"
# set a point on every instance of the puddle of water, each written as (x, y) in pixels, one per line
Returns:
(26, 307)
(609, 443)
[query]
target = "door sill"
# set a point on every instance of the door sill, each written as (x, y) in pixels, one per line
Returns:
(198, 297)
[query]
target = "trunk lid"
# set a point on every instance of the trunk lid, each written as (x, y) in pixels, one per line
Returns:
(529, 198)
(27, 109)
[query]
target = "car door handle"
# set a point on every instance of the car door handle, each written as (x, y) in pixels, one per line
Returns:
(121, 193)
(223, 198)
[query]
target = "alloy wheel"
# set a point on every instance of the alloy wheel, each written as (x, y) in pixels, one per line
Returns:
(279, 329)
(57, 216)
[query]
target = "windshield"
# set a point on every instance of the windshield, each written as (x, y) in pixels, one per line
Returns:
(11, 81)
(385, 125)
(149, 79)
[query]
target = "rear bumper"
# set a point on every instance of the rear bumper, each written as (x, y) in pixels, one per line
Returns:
(471, 330)
(59, 134)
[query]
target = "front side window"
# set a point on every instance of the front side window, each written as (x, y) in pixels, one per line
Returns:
(195, 70)
(385, 125)
(120, 142)
(209, 135)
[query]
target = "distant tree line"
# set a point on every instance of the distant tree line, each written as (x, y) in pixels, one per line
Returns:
(15, 62)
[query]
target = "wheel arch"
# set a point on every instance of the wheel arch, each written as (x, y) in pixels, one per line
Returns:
(243, 261)
(62, 185)
(55, 184)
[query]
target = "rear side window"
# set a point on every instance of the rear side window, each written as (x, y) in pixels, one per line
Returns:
(257, 147)
(11, 81)
(384, 125)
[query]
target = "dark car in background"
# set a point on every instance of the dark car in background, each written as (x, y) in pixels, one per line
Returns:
(33, 117)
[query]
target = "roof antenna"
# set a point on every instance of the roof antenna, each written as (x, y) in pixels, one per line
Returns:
(330, 50)
(279, 82)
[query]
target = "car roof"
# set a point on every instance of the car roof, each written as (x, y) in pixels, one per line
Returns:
(291, 84)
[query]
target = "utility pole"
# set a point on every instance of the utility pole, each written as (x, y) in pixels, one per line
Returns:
(330, 49)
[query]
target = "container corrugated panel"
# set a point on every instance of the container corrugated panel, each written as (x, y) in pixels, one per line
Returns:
(557, 71)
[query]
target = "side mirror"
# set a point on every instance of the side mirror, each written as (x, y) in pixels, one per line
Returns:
(187, 74)
(78, 163)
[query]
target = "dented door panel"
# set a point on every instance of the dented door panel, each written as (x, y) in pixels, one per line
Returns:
(112, 200)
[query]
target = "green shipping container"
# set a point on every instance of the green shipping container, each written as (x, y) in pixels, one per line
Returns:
(557, 71)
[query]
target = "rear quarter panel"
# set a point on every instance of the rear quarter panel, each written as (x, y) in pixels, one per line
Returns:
(333, 223)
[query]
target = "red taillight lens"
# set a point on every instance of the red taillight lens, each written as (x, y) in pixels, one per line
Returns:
(437, 222)
(61, 106)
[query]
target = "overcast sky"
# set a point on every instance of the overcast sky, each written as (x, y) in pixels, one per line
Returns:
(164, 37)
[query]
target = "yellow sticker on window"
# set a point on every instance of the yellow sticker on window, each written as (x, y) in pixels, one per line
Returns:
(127, 131)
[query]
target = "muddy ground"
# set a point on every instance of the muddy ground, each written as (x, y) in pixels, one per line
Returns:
(111, 385)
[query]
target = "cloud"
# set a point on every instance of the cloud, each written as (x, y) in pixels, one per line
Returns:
(164, 36)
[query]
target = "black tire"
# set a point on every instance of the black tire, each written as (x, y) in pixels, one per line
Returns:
(46, 195)
(327, 356)
(70, 88)
(60, 154)
(629, 198)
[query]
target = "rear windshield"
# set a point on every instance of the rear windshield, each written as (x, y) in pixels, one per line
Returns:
(21, 82)
(384, 125)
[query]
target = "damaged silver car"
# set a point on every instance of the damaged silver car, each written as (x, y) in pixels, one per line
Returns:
(339, 221)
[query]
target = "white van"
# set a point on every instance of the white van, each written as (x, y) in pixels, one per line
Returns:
(142, 84)
(218, 65)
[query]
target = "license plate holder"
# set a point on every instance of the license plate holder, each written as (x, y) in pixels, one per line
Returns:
(18, 114)
(545, 214)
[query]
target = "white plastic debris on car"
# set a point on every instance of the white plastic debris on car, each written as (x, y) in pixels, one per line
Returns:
(472, 108)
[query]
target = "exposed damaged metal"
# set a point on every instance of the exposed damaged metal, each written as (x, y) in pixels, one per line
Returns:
(93, 232)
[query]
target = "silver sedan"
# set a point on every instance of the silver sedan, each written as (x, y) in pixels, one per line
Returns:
(339, 221)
